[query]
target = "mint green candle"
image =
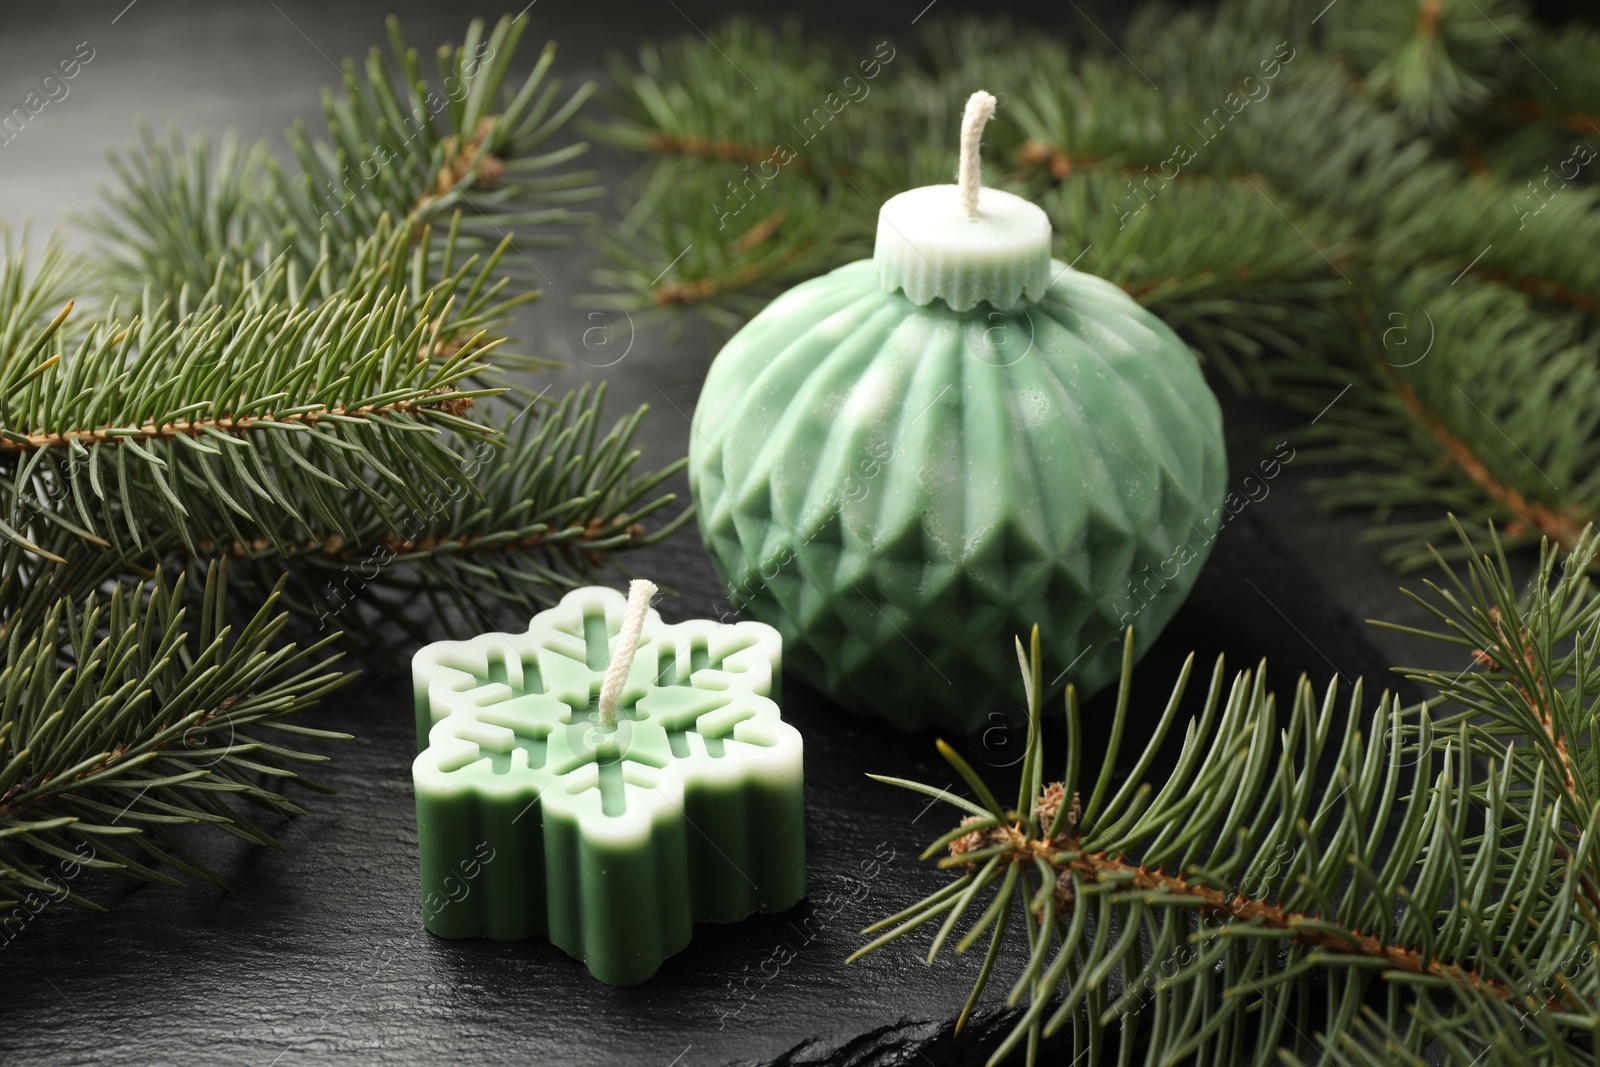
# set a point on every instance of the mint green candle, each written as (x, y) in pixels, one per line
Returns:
(905, 463)
(607, 781)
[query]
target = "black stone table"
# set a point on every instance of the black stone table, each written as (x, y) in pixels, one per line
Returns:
(318, 953)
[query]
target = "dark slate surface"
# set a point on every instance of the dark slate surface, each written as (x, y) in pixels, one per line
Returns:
(319, 953)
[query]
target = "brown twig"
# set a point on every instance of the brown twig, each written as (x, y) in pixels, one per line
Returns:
(339, 550)
(760, 231)
(693, 291)
(1531, 111)
(1064, 854)
(8, 807)
(688, 144)
(1428, 13)
(463, 158)
(1541, 288)
(696, 290)
(1100, 867)
(1539, 702)
(454, 405)
(1563, 527)
(1057, 160)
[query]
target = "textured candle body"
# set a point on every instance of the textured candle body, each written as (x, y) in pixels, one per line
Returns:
(900, 488)
(533, 819)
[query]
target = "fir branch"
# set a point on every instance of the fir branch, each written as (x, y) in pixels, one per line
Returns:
(725, 256)
(1437, 58)
(1461, 400)
(1238, 301)
(298, 383)
(1566, 59)
(1066, 855)
(34, 300)
(554, 502)
(1219, 890)
(1528, 516)
(1525, 235)
(472, 144)
(1579, 122)
(1532, 651)
(159, 724)
(251, 413)
(446, 400)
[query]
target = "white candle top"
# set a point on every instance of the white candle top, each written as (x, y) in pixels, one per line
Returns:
(930, 249)
(963, 243)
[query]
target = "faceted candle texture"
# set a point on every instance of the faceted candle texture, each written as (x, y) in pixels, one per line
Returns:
(901, 488)
(532, 819)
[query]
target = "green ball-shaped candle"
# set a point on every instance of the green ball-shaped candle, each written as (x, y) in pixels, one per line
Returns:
(902, 464)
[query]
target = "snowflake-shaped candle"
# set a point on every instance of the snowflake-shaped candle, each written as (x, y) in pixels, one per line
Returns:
(606, 780)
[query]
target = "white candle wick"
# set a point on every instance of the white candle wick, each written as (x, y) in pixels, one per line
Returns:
(640, 591)
(980, 109)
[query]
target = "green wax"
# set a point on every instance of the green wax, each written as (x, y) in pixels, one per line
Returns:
(611, 842)
(903, 489)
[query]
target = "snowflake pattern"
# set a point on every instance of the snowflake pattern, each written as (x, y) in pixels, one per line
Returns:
(513, 761)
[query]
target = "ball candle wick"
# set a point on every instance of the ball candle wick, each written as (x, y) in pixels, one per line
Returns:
(640, 591)
(980, 109)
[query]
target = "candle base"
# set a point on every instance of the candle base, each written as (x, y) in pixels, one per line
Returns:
(612, 842)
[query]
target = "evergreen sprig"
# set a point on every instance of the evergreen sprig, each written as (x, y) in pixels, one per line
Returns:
(1322, 886)
(244, 414)
(397, 145)
(296, 377)
(1526, 690)
(297, 388)
(168, 715)
(549, 506)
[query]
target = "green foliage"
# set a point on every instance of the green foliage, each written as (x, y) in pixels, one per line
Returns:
(467, 144)
(306, 376)
(1436, 59)
(170, 715)
(1525, 693)
(1322, 885)
(547, 507)
(163, 419)
(1298, 188)
(297, 377)
(1516, 438)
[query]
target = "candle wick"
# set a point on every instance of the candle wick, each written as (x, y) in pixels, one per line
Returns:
(980, 109)
(639, 593)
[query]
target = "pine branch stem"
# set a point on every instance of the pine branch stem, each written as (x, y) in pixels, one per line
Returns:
(9, 807)
(1538, 702)
(464, 158)
(1057, 160)
(1064, 855)
(685, 293)
(1540, 706)
(28, 443)
(1540, 288)
(340, 550)
(694, 146)
(1532, 111)
(1562, 527)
